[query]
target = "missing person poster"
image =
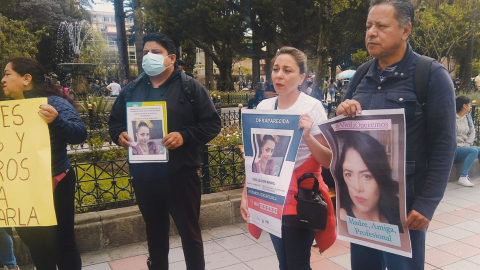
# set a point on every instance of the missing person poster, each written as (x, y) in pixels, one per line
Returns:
(26, 193)
(368, 166)
(271, 140)
(147, 125)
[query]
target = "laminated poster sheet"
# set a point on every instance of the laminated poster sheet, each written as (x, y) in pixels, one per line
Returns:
(147, 125)
(368, 166)
(271, 140)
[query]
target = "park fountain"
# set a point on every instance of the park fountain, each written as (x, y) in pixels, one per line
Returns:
(76, 33)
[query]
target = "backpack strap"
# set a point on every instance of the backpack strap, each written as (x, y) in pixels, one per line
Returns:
(188, 88)
(361, 71)
(422, 78)
(128, 89)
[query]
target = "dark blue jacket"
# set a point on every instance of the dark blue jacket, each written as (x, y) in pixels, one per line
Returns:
(198, 123)
(66, 128)
(430, 131)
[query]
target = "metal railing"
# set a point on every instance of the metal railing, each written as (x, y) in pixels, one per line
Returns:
(107, 184)
(97, 127)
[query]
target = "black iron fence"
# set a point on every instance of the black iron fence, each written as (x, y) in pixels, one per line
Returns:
(232, 99)
(107, 184)
(97, 127)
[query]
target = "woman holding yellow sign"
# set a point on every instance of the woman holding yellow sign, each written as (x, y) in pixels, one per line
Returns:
(50, 246)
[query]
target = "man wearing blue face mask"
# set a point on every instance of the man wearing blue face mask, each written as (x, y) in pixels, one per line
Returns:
(171, 188)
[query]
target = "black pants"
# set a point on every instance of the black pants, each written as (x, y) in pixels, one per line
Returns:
(181, 199)
(293, 249)
(53, 246)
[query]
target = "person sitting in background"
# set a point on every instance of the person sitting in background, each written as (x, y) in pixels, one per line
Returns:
(252, 103)
(269, 91)
(466, 151)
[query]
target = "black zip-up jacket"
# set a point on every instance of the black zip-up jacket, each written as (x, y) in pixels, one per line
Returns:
(198, 123)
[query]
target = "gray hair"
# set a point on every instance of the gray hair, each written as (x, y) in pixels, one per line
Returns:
(404, 10)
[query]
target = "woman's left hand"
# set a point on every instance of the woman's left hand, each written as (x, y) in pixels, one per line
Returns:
(48, 113)
(306, 123)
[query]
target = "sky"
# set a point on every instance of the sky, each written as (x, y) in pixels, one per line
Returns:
(102, 6)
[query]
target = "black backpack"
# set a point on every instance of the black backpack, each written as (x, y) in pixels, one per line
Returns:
(421, 77)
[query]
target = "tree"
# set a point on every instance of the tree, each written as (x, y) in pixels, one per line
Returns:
(13, 33)
(121, 39)
(438, 30)
(217, 27)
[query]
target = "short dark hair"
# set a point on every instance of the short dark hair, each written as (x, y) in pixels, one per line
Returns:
(163, 40)
(460, 101)
(404, 10)
(180, 62)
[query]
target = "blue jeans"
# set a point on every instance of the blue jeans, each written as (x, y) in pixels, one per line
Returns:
(293, 249)
(6, 250)
(332, 94)
(468, 156)
(363, 258)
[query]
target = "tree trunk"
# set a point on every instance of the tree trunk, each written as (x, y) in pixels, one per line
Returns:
(268, 61)
(138, 34)
(225, 80)
(121, 39)
(208, 71)
(255, 71)
(323, 40)
(465, 80)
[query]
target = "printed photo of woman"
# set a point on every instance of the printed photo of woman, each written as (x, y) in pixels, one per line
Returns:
(364, 177)
(144, 145)
(265, 164)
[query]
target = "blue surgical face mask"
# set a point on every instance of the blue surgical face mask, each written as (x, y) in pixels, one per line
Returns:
(153, 64)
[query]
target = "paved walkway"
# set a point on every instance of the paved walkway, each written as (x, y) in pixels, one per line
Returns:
(453, 242)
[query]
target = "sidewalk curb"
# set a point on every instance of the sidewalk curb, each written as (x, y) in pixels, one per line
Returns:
(112, 228)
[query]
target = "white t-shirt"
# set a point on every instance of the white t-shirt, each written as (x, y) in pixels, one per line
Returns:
(304, 104)
(115, 87)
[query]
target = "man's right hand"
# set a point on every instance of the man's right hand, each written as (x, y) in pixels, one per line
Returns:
(349, 107)
(124, 140)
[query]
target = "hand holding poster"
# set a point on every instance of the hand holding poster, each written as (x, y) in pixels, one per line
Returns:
(147, 125)
(368, 166)
(271, 140)
(26, 196)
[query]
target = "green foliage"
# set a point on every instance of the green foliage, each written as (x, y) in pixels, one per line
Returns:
(96, 51)
(360, 57)
(100, 105)
(228, 136)
(440, 29)
(16, 39)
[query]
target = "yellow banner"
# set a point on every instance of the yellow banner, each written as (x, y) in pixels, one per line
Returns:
(26, 197)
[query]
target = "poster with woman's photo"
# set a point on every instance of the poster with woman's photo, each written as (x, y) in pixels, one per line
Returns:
(368, 165)
(147, 126)
(270, 140)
